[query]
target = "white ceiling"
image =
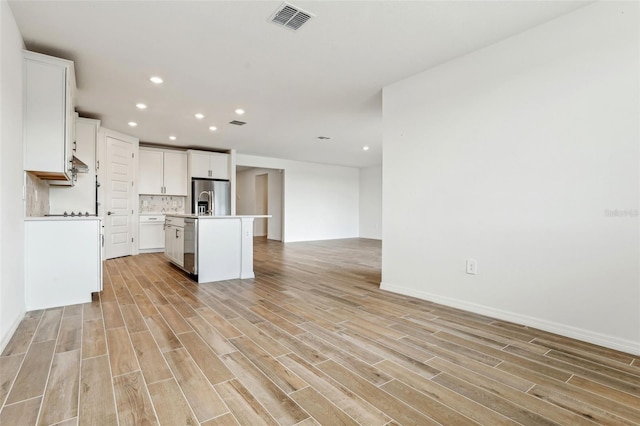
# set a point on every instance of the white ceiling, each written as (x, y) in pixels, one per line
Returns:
(215, 56)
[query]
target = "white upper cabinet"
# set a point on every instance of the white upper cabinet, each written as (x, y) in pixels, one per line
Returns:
(49, 116)
(175, 173)
(162, 172)
(199, 164)
(212, 165)
(151, 175)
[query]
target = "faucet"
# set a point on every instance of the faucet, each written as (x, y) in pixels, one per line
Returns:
(208, 194)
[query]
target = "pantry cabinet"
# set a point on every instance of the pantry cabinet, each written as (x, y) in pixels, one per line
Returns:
(49, 116)
(162, 172)
(212, 165)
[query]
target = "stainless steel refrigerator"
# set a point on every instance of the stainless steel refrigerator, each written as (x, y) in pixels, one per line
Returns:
(210, 197)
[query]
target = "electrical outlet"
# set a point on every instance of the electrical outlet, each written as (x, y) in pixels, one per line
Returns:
(472, 266)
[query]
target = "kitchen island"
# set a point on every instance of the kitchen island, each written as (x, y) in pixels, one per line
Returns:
(213, 248)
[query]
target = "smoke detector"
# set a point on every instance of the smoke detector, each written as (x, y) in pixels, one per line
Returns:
(290, 16)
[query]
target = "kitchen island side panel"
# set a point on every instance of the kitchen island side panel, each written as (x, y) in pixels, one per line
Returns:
(219, 249)
(246, 241)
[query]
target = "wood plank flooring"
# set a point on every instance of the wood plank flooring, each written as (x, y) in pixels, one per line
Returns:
(311, 340)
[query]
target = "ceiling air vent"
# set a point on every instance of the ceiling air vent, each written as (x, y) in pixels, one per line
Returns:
(238, 123)
(290, 16)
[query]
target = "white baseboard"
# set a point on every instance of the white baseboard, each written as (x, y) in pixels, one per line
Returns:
(153, 250)
(624, 345)
(9, 334)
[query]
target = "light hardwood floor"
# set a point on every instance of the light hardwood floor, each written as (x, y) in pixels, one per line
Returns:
(312, 340)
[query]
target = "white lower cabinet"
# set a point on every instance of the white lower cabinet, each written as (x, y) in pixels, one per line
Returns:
(174, 240)
(151, 239)
(63, 261)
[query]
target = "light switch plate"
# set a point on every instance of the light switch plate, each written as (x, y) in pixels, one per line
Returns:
(472, 266)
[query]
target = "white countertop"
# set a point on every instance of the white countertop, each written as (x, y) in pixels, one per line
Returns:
(60, 218)
(195, 216)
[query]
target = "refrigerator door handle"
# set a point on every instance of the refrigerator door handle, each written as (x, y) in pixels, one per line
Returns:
(212, 197)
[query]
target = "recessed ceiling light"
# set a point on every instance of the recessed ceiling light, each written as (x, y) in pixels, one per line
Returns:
(156, 80)
(133, 124)
(199, 116)
(141, 106)
(173, 138)
(213, 128)
(365, 148)
(239, 111)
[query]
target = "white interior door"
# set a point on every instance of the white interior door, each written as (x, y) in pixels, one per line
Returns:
(118, 216)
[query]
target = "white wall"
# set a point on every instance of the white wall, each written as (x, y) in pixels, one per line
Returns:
(246, 198)
(12, 299)
(321, 201)
(371, 202)
(515, 155)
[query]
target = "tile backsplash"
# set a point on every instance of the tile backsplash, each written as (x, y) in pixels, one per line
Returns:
(36, 196)
(162, 204)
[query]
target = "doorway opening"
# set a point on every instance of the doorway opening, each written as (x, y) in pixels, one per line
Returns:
(260, 191)
(260, 225)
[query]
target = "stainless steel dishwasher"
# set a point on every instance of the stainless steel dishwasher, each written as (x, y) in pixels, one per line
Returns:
(191, 246)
